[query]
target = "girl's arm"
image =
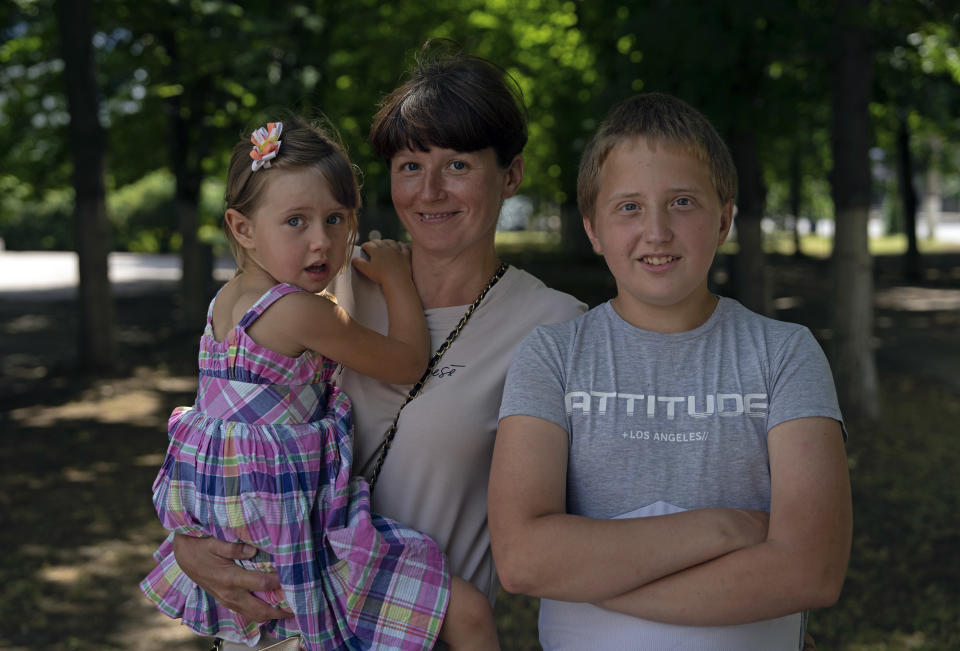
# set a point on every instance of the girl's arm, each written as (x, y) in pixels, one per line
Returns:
(306, 321)
(532, 535)
(802, 562)
(389, 267)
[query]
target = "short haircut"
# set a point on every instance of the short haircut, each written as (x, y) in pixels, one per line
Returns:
(453, 101)
(303, 145)
(663, 119)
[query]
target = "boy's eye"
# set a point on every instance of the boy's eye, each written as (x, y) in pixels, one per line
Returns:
(630, 206)
(295, 221)
(683, 201)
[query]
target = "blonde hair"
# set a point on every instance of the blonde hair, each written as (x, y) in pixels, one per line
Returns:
(303, 145)
(661, 118)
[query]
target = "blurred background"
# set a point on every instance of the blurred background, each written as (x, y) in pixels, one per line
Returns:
(116, 122)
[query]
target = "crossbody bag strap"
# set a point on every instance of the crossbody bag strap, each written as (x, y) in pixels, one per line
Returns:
(391, 432)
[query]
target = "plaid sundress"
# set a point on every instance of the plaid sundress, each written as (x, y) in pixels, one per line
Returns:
(265, 457)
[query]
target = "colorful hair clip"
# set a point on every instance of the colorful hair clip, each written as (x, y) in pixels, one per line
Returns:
(266, 144)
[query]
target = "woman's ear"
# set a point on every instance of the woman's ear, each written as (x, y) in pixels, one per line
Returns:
(514, 177)
(240, 226)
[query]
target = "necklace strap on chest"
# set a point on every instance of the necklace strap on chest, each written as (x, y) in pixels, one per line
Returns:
(391, 432)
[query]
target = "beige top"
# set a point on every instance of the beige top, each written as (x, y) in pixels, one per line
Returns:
(436, 473)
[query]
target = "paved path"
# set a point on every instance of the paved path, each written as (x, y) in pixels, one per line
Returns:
(40, 275)
(52, 275)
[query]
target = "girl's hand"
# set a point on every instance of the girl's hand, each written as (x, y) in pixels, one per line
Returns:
(388, 259)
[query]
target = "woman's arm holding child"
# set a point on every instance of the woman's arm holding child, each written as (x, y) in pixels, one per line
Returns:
(209, 563)
(469, 622)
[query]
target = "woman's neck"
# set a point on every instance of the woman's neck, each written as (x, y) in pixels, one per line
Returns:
(443, 282)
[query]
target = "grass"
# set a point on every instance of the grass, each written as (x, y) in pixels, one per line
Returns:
(903, 585)
(818, 246)
(80, 455)
(779, 242)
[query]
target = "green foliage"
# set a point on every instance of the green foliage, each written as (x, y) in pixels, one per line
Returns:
(32, 220)
(222, 67)
(140, 213)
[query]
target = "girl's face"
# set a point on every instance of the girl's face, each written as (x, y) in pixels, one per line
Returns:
(299, 232)
(449, 201)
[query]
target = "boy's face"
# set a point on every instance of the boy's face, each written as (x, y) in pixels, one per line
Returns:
(658, 222)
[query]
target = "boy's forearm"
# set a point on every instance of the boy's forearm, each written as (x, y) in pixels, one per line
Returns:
(752, 584)
(603, 558)
(801, 564)
(543, 551)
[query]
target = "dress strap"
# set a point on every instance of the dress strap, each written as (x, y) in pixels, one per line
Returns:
(265, 301)
(210, 307)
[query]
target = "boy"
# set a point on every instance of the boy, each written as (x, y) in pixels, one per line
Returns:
(640, 443)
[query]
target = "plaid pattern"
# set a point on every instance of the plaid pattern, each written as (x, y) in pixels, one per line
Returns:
(265, 457)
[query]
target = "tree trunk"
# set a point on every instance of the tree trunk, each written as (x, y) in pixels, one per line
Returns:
(908, 198)
(854, 365)
(195, 279)
(796, 196)
(97, 329)
(193, 284)
(754, 286)
(933, 191)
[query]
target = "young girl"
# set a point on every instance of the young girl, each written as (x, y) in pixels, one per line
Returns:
(264, 456)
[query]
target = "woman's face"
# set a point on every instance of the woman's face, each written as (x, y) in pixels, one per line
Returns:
(449, 201)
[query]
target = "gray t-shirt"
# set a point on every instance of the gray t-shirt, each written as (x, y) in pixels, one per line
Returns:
(660, 423)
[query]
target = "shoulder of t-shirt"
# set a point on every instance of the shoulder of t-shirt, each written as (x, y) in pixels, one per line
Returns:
(771, 327)
(561, 334)
(540, 303)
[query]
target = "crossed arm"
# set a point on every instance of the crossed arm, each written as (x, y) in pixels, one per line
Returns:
(700, 567)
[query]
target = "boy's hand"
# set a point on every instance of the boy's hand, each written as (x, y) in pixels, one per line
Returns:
(388, 259)
(209, 562)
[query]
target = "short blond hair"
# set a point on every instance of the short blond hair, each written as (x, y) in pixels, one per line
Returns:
(661, 118)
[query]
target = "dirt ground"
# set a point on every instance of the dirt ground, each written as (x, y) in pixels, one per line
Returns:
(79, 453)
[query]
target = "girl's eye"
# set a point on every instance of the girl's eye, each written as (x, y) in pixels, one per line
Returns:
(335, 218)
(295, 221)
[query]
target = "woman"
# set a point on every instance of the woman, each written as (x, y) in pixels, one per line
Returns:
(452, 136)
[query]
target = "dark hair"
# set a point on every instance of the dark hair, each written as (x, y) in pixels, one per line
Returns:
(302, 145)
(661, 118)
(455, 101)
